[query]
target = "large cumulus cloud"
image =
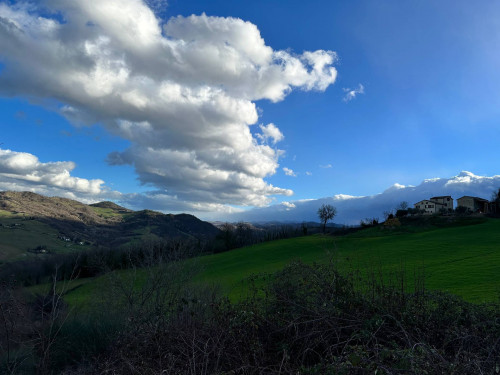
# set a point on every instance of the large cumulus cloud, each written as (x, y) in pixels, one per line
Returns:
(183, 92)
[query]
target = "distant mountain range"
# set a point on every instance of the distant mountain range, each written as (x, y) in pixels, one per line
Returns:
(28, 219)
(352, 209)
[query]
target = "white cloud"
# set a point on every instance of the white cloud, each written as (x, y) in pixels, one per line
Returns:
(23, 171)
(342, 197)
(394, 187)
(352, 93)
(289, 172)
(159, 201)
(271, 132)
(308, 173)
(351, 209)
(288, 205)
(464, 178)
(182, 93)
(326, 166)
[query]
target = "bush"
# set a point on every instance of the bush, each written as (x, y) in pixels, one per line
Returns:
(401, 213)
(369, 222)
(462, 210)
(95, 262)
(310, 319)
(392, 223)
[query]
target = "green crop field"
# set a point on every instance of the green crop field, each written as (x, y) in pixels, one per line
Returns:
(462, 259)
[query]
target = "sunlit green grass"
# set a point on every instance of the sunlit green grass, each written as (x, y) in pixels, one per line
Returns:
(464, 260)
(4, 214)
(106, 212)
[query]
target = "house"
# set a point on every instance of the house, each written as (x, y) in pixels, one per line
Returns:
(429, 207)
(447, 200)
(474, 204)
(435, 204)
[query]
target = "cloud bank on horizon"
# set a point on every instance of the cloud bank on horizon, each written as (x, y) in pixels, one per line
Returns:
(24, 172)
(182, 93)
(352, 209)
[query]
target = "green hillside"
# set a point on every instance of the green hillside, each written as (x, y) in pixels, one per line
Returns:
(20, 237)
(464, 260)
(30, 221)
(461, 259)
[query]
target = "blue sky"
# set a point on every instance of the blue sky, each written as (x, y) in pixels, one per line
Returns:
(428, 106)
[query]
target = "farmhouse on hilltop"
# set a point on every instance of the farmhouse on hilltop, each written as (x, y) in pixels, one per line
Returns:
(442, 203)
(474, 204)
(435, 204)
(445, 200)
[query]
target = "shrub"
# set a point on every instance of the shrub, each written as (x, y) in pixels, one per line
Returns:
(462, 210)
(369, 222)
(392, 223)
(309, 319)
(401, 213)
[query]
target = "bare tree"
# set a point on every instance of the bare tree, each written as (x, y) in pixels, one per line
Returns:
(326, 213)
(388, 215)
(31, 326)
(51, 314)
(495, 201)
(402, 206)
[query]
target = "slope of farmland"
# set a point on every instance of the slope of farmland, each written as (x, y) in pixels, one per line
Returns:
(464, 260)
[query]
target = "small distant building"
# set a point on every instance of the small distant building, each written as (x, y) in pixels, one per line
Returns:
(435, 205)
(429, 207)
(446, 200)
(474, 204)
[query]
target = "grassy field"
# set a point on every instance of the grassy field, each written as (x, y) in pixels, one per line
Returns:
(18, 235)
(462, 259)
(107, 212)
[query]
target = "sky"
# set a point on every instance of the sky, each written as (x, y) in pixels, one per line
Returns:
(214, 107)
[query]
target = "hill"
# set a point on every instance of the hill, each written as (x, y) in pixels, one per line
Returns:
(32, 223)
(29, 204)
(110, 205)
(294, 295)
(461, 257)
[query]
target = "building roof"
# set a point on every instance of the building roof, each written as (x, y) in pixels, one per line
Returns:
(442, 196)
(476, 198)
(425, 200)
(428, 200)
